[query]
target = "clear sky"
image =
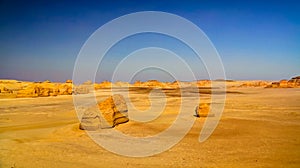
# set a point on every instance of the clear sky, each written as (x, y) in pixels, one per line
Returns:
(255, 39)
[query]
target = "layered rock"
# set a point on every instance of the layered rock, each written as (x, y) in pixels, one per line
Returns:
(47, 89)
(91, 120)
(292, 83)
(5, 90)
(20, 89)
(254, 84)
(138, 83)
(44, 89)
(184, 84)
(81, 89)
(29, 91)
(154, 84)
(114, 110)
(110, 113)
(103, 85)
(122, 84)
(295, 81)
(65, 89)
(202, 83)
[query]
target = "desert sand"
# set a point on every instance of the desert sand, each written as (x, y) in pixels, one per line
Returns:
(260, 127)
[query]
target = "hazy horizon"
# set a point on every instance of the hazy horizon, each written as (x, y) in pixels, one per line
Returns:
(255, 40)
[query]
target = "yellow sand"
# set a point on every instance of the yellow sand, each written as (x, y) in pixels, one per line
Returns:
(259, 128)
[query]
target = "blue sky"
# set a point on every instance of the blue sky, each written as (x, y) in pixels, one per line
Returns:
(255, 39)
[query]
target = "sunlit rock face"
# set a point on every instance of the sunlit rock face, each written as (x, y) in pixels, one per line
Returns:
(114, 110)
(23, 89)
(102, 85)
(202, 110)
(110, 113)
(254, 84)
(90, 120)
(295, 81)
(292, 83)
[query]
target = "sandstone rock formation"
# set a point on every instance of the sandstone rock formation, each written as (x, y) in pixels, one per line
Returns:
(295, 81)
(254, 84)
(175, 84)
(113, 111)
(69, 81)
(184, 84)
(103, 85)
(84, 88)
(47, 89)
(201, 83)
(44, 89)
(24, 89)
(292, 83)
(154, 84)
(138, 83)
(122, 84)
(283, 83)
(202, 110)
(5, 90)
(29, 91)
(81, 89)
(65, 89)
(91, 120)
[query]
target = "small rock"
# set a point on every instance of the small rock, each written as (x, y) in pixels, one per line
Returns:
(202, 110)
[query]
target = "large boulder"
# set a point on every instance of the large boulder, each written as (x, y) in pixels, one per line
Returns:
(202, 110)
(114, 110)
(90, 120)
(110, 113)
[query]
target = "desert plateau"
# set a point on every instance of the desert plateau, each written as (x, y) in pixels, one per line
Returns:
(260, 126)
(149, 84)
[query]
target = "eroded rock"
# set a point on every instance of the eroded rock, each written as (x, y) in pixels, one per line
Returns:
(292, 83)
(29, 91)
(90, 120)
(110, 113)
(202, 110)
(114, 110)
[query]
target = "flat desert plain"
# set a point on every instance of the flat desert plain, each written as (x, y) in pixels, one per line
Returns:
(260, 127)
